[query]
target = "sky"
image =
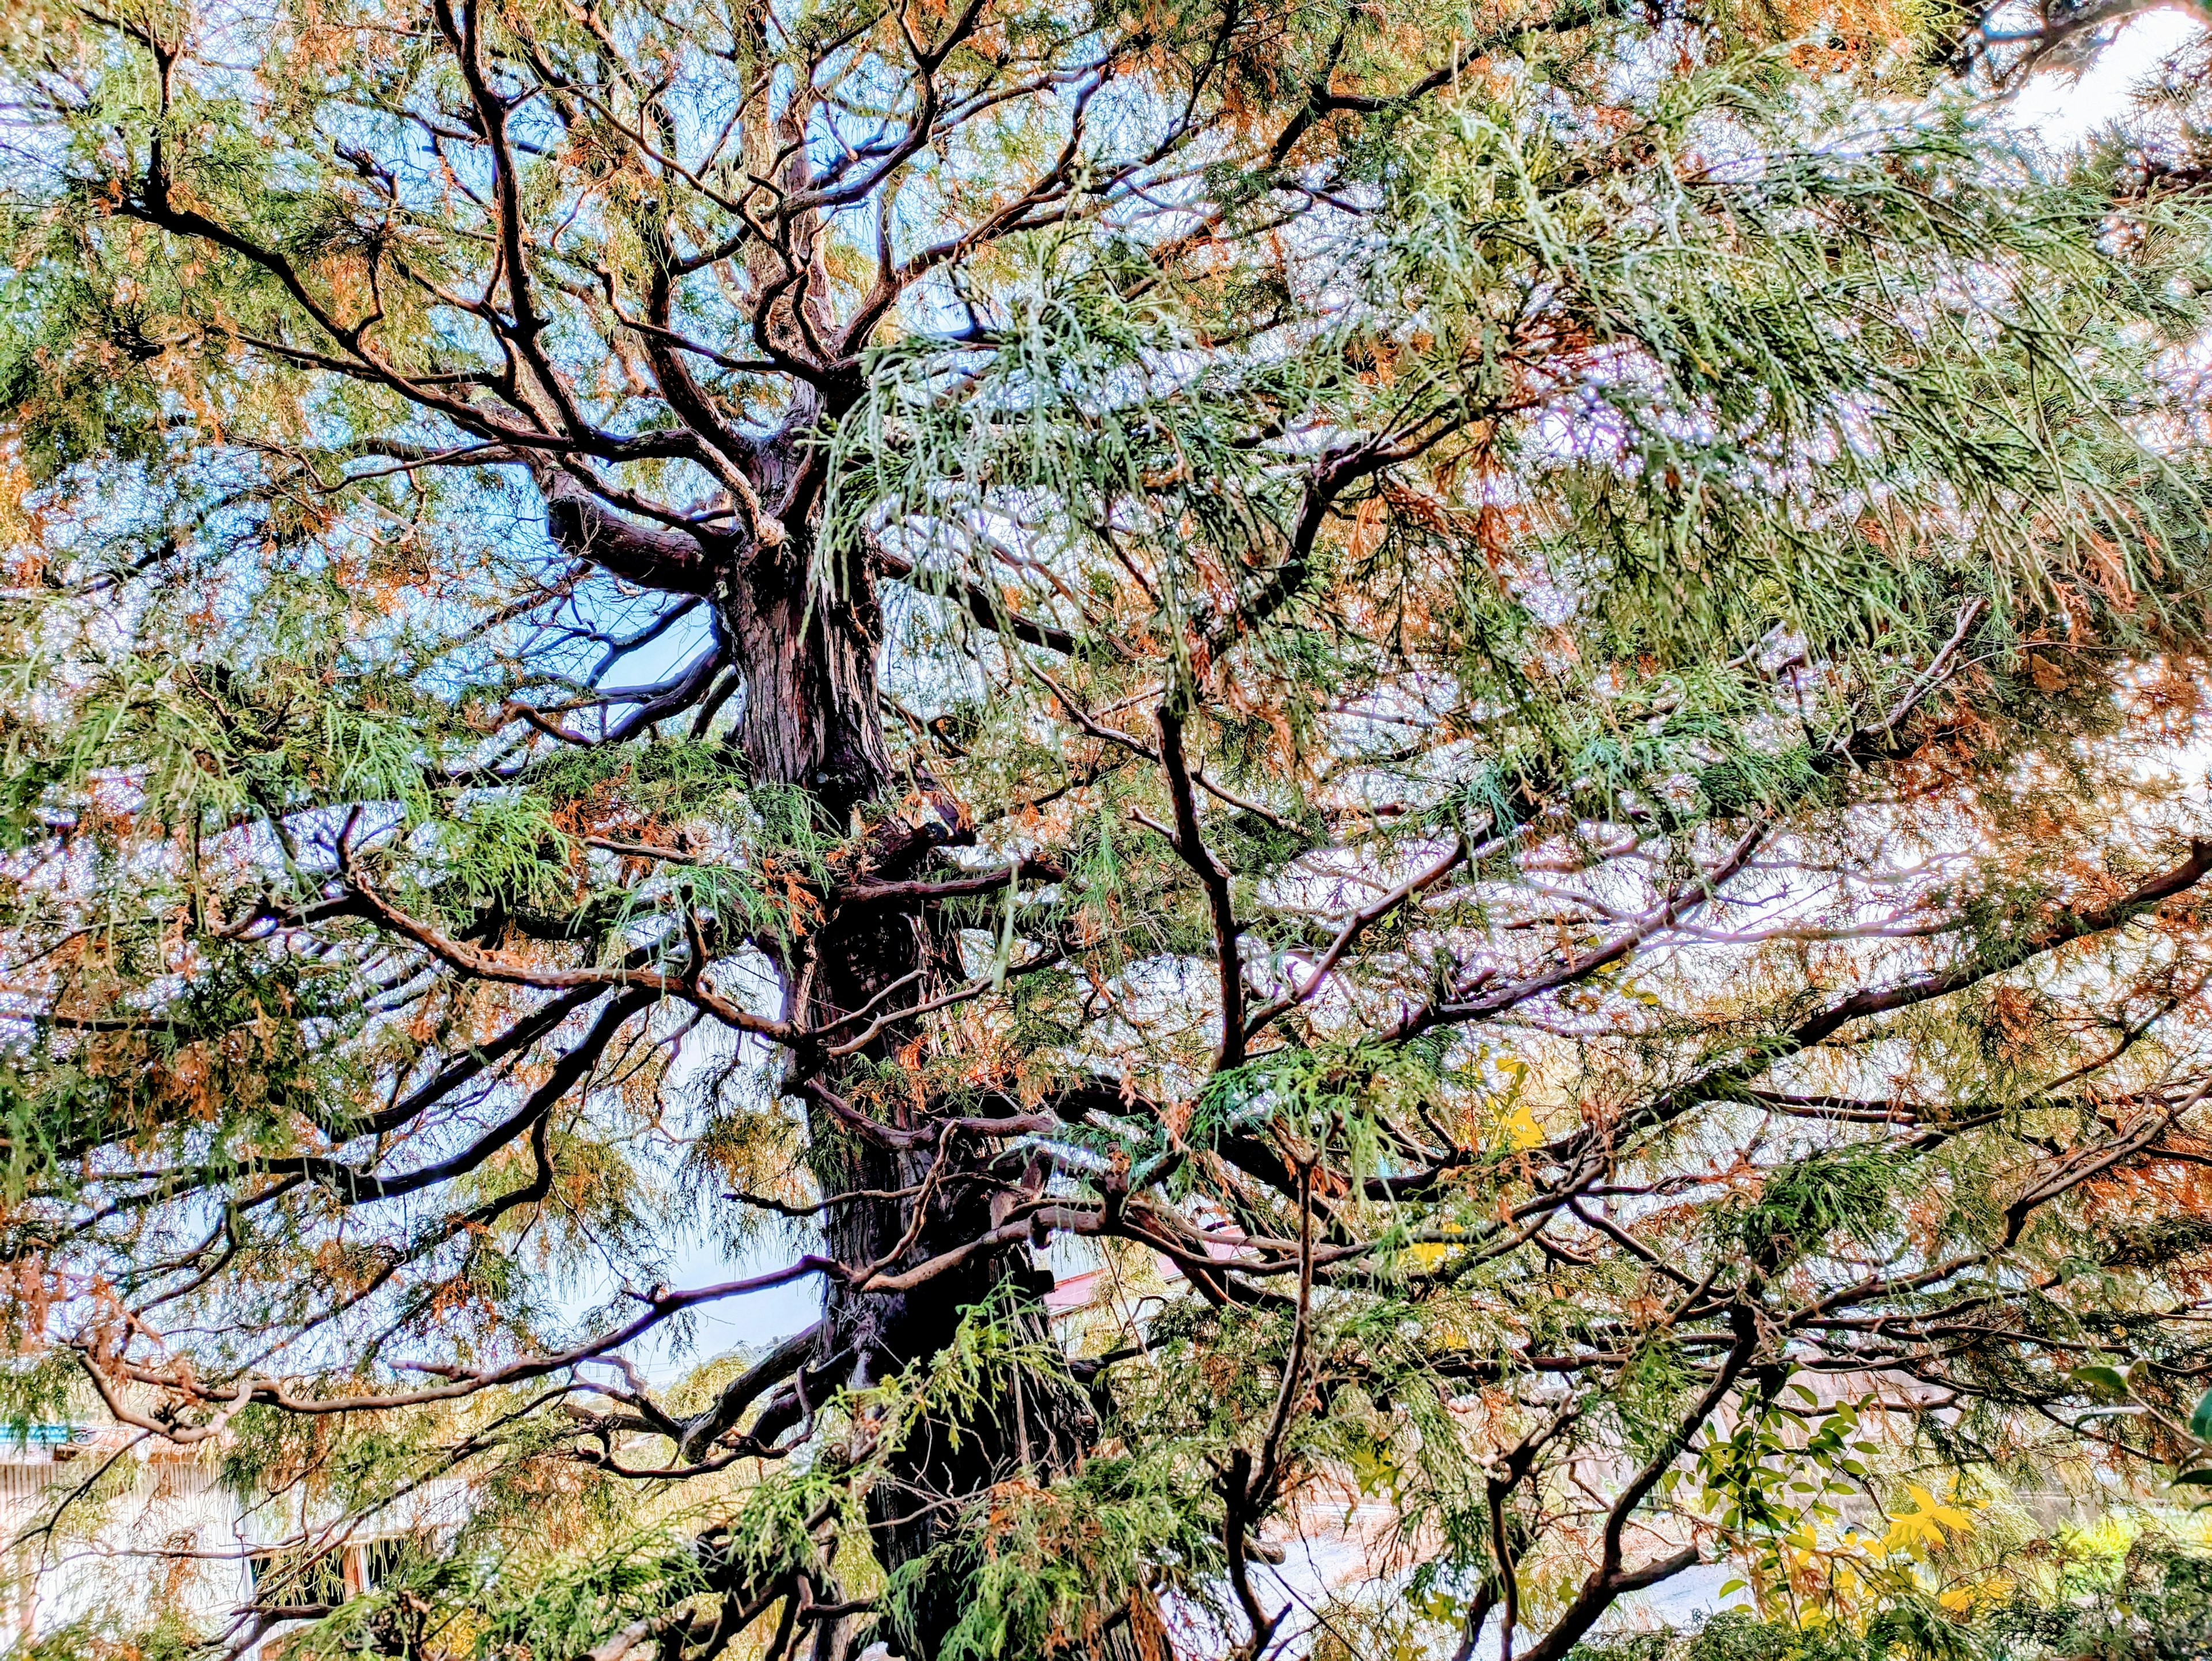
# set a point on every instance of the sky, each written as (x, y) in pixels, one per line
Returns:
(2064, 110)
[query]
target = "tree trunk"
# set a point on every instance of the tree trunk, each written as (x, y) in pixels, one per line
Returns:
(809, 715)
(810, 719)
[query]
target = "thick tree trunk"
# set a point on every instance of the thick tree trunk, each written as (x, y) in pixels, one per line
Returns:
(810, 719)
(809, 715)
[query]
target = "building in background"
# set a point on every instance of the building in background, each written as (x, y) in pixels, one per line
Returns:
(110, 1521)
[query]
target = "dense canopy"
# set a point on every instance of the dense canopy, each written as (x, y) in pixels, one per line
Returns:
(1483, 711)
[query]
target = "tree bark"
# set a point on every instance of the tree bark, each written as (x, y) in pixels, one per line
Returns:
(810, 719)
(808, 664)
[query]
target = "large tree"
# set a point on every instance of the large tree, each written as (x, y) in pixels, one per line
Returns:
(1493, 698)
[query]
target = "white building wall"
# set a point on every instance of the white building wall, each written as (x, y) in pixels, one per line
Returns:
(112, 1546)
(160, 1531)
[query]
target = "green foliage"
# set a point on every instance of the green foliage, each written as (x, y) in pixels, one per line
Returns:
(1846, 1193)
(1483, 714)
(2153, 1601)
(1909, 1630)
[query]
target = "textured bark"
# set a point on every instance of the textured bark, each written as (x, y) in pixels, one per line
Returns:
(810, 719)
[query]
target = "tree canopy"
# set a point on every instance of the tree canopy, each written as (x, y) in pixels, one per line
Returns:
(1493, 701)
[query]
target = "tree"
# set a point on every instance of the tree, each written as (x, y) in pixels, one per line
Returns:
(1507, 689)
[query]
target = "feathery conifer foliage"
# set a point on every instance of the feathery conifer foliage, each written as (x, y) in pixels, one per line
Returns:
(1494, 699)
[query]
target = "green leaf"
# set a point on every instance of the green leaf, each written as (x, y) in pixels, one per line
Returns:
(2201, 1478)
(2200, 1422)
(2104, 1380)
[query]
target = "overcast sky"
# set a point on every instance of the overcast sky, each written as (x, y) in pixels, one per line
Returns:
(2064, 110)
